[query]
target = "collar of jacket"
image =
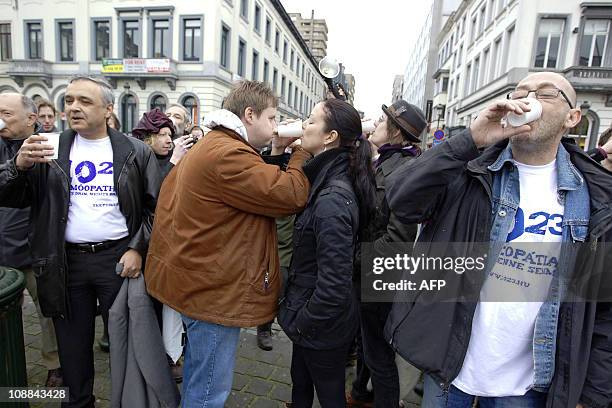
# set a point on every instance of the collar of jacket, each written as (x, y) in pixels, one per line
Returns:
(228, 132)
(122, 149)
(568, 177)
(393, 162)
(321, 163)
(324, 166)
(388, 150)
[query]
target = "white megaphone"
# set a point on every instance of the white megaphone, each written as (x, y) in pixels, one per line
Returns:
(329, 67)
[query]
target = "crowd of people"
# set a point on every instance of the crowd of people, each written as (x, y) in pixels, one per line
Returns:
(174, 232)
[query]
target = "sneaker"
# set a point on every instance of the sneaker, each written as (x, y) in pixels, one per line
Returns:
(55, 378)
(264, 340)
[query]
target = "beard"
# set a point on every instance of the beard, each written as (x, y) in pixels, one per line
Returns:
(545, 132)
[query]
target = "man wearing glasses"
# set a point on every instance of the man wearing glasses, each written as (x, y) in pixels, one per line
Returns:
(527, 338)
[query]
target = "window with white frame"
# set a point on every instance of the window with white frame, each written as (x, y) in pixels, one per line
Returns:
(257, 18)
(548, 46)
(161, 38)
(475, 72)
(485, 66)
(241, 57)
(6, 47)
(255, 66)
(594, 42)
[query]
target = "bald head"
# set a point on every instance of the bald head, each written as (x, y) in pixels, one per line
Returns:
(19, 114)
(542, 79)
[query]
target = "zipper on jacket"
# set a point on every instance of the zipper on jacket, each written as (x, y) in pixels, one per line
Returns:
(266, 280)
(121, 173)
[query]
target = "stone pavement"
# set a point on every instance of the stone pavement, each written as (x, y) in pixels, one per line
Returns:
(261, 378)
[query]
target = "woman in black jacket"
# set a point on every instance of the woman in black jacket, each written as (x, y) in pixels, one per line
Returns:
(318, 311)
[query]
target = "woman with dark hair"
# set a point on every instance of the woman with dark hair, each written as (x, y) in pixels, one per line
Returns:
(157, 130)
(395, 139)
(318, 311)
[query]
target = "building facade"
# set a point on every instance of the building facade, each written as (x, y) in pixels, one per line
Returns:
(486, 47)
(418, 84)
(156, 52)
(398, 88)
(314, 32)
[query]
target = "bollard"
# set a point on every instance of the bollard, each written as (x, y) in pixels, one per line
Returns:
(12, 352)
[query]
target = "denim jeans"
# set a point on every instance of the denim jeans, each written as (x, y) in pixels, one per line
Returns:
(434, 397)
(210, 354)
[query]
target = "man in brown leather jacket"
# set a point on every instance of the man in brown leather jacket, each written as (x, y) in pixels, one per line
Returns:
(213, 252)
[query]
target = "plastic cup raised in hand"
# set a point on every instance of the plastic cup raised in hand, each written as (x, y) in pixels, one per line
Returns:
(535, 113)
(2, 124)
(293, 129)
(53, 140)
(368, 126)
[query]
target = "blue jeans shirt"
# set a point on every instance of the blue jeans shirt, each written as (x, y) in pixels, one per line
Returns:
(572, 191)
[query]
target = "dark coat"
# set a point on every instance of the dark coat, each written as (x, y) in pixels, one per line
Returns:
(14, 222)
(387, 228)
(318, 310)
(449, 190)
(46, 188)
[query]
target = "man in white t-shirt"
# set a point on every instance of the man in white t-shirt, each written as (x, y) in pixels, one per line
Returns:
(530, 339)
(92, 212)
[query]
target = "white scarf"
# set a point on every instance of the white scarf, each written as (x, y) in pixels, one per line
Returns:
(228, 120)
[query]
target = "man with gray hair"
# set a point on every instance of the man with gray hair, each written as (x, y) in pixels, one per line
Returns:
(180, 116)
(92, 211)
(19, 115)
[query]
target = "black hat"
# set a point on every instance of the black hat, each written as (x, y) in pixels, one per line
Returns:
(408, 118)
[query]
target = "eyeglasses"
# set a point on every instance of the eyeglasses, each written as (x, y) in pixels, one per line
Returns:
(546, 93)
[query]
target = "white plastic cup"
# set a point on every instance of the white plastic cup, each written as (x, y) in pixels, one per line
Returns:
(535, 113)
(53, 140)
(368, 126)
(2, 124)
(293, 129)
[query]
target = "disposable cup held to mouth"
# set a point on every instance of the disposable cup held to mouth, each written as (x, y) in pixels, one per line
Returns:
(368, 126)
(535, 113)
(53, 140)
(2, 124)
(293, 129)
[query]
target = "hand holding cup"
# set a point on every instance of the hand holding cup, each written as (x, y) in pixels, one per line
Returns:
(487, 128)
(35, 149)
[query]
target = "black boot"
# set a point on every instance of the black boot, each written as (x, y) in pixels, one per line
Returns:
(264, 336)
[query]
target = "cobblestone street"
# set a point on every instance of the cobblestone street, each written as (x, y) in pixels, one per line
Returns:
(261, 378)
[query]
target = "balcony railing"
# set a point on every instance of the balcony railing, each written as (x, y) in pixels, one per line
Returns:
(18, 70)
(589, 78)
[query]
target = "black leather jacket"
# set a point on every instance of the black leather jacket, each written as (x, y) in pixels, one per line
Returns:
(46, 188)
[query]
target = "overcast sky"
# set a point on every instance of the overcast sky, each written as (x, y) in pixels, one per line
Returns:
(370, 38)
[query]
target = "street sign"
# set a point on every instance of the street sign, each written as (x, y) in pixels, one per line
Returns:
(439, 134)
(436, 142)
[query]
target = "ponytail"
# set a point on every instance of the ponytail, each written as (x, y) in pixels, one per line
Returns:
(345, 119)
(363, 180)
